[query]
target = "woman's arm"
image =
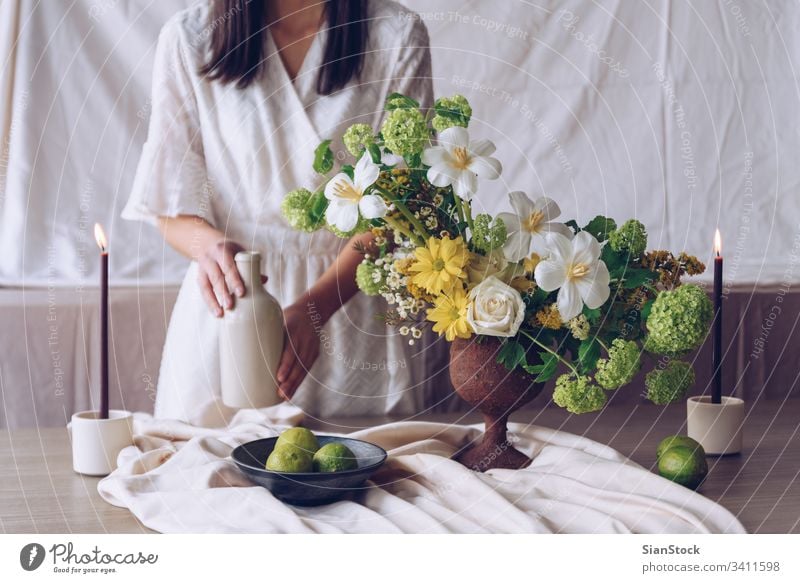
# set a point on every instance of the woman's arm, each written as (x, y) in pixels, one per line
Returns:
(308, 314)
(217, 275)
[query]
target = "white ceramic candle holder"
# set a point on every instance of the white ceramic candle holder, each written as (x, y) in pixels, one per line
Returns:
(96, 442)
(717, 427)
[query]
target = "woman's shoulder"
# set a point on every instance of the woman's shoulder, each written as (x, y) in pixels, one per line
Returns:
(189, 29)
(390, 21)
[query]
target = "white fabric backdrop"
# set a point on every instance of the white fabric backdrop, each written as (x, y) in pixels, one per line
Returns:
(682, 114)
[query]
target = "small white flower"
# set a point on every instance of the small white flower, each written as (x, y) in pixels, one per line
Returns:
(496, 309)
(529, 224)
(347, 196)
(575, 269)
(457, 161)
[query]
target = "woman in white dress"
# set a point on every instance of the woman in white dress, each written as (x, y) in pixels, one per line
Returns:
(243, 91)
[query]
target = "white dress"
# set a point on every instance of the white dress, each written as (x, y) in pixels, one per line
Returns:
(230, 155)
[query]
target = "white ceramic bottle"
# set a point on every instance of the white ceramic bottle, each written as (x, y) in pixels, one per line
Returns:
(251, 341)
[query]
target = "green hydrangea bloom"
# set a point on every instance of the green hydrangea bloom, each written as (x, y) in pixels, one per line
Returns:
(296, 209)
(457, 112)
(679, 320)
(630, 237)
(669, 384)
(620, 367)
(357, 138)
(370, 277)
(580, 327)
(362, 226)
(404, 132)
(578, 394)
(488, 235)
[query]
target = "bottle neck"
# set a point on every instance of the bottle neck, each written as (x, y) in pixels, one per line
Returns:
(249, 266)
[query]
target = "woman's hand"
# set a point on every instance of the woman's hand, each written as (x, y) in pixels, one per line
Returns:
(218, 277)
(300, 349)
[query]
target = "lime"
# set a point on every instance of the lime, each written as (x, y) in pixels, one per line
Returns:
(683, 465)
(674, 440)
(334, 457)
(301, 437)
(289, 458)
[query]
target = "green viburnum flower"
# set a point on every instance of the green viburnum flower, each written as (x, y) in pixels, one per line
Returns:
(451, 111)
(404, 132)
(370, 277)
(630, 237)
(578, 394)
(357, 138)
(579, 326)
(488, 235)
(362, 226)
(620, 367)
(669, 384)
(679, 320)
(296, 208)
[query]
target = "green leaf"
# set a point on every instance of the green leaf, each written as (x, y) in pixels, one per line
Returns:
(414, 161)
(319, 204)
(399, 101)
(635, 277)
(545, 371)
(614, 261)
(511, 354)
(593, 315)
(323, 158)
(648, 305)
(588, 353)
(348, 169)
(375, 153)
(600, 227)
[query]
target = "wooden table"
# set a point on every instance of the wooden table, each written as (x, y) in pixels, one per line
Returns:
(39, 493)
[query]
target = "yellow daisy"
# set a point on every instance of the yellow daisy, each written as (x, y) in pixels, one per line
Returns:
(449, 315)
(440, 264)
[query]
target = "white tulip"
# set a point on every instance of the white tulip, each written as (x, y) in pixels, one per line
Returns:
(458, 162)
(574, 268)
(529, 224)
(347, 196)
(495, 309)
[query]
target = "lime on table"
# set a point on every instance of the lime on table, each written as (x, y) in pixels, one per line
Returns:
(289, 458)
(334, 457)
(683, 465)
(301, 437)
(674, 440)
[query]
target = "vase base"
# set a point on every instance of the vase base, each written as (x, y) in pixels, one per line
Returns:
(486, 456)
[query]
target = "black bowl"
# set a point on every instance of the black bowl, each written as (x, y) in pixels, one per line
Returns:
(308, 488)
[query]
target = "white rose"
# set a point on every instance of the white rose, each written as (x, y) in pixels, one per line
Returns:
(496, 309)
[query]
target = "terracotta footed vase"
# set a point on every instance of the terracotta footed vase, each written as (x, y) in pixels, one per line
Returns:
(494, 391)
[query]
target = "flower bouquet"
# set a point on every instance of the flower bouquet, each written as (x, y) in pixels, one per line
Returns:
(537, 294)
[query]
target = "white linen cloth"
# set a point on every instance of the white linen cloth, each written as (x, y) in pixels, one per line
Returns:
(230, 155)
(179, 479)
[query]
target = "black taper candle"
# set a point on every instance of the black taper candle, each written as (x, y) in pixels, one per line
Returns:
(103, 244)
(104, 338)
(716, 395)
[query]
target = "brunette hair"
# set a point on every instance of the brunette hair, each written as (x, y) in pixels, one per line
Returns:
(236, 45)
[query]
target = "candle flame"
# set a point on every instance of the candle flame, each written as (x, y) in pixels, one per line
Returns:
(717, 244)
(100, 237)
